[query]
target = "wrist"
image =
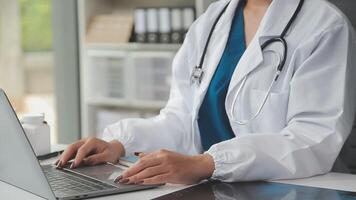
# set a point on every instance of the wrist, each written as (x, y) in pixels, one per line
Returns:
(118, 147)
(205, 165)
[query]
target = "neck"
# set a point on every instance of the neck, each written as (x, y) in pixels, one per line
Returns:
(258, 3)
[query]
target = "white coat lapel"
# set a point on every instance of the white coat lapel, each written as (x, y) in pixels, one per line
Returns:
(251, 59)
(275, 20)
(215, 49)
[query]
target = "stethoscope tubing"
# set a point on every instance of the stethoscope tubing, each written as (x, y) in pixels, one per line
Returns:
(259, 110)
(279, 39)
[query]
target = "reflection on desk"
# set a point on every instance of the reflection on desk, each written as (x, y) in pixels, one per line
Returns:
(257, 191)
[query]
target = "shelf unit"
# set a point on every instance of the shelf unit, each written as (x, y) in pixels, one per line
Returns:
(124, 99)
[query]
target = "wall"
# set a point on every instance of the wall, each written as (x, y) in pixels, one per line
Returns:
(11, 69)
(66, 59)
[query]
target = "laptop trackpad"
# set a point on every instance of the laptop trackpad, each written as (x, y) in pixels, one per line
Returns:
(105, 172)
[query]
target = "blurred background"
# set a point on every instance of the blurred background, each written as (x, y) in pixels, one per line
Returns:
(26, 56)
(89, 63)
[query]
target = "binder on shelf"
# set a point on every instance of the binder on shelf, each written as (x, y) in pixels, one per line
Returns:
(140, 25)
(164, 25)
(177, 25)
(152, 25)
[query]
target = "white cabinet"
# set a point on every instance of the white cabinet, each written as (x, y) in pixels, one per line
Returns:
(123, 80)
(152, 74)
(106, 74)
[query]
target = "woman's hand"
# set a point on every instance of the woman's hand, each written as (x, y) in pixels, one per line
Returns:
(168, 167)
(91, 151)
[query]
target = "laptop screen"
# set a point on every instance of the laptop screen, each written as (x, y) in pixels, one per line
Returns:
(19, 165)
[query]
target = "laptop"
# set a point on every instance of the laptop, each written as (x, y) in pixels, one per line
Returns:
(19, 167)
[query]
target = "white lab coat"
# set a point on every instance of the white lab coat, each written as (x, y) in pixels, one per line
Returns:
(305, 121)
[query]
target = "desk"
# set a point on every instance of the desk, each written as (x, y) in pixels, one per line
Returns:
(337, 181)
(330, 181)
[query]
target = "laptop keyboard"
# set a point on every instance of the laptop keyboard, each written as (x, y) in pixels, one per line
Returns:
(70, 183)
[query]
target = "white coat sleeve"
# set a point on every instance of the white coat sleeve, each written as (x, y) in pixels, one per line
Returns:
(171, 129)
(320, 115)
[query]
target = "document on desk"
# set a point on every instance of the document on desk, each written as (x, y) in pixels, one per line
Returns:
(258, 191)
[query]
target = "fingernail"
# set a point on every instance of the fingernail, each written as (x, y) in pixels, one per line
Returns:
(118, 179)
(72, 165)
(124, 181)
(139, 183)
(137, 153)
(59, 164)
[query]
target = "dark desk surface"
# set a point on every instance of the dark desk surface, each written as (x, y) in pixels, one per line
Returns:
(257, 191)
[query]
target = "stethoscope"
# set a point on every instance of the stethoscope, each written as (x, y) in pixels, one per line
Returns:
(198, 72)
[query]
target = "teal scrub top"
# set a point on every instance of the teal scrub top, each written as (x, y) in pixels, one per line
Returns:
(213, 121)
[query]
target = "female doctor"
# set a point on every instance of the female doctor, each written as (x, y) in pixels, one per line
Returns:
(261, 90)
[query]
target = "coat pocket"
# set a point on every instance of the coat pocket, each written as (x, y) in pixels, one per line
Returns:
(272, 117)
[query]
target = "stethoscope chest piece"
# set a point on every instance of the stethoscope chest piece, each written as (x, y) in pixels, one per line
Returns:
(196, 76)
